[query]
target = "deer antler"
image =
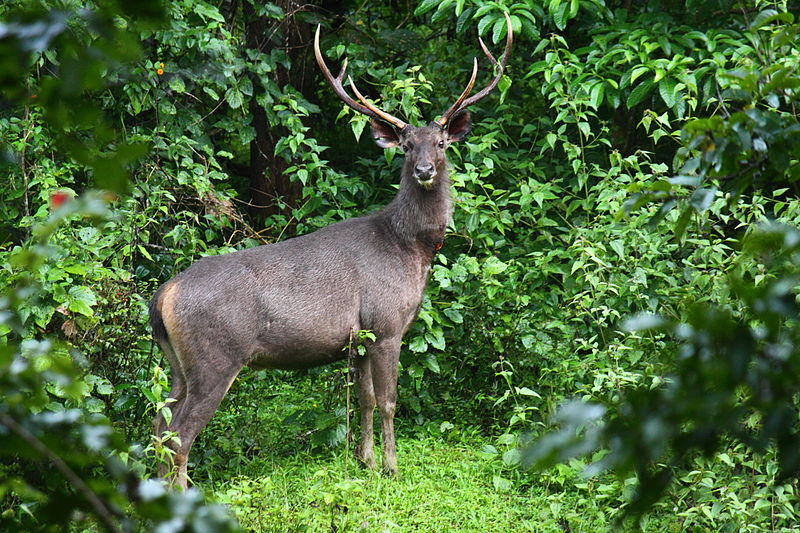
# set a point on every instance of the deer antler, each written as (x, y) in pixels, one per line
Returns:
(364, 107)
(463, 102)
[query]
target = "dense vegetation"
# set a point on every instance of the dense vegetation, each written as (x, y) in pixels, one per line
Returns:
(623, 261)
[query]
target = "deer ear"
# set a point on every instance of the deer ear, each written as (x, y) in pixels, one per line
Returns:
(459, 126)
(385, 135)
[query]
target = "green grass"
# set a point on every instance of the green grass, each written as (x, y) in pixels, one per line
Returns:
(272, 480)
(442, 487)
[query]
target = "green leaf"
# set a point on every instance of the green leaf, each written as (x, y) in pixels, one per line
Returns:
(425, 6)
(525, 391)
(618, 247)
(441, 11)
(768, 16)
(431, 362)
(454, 315)
(176, 84)
(81, 299)
(683, 221)
(89, 234)
(144, 252)
(102, 385)
(77, 268)
(499, 30)
(500, 483)
(551, 139)
(701, 199)
(357, 124)
(488, 451)
(666, 88)
(596, 95)
(639, 93)
(166, 412)
(418, 345)
(484, 23)
(436, 338)
(211, 92)
(463, 19)
(208, 12)
(561, 16)
(512, 457)
(493, 266)
(234, 98)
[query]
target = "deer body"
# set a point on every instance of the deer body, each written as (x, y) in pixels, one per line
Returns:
(297, 304)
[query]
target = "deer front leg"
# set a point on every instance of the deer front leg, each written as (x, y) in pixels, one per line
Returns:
(366, 400)
(384, 355)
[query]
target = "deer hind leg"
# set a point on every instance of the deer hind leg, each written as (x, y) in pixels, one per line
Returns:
(205, 386)
(177, 391)
(366, 401)
(384, 355)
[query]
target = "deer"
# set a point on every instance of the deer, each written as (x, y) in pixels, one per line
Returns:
(295, 304)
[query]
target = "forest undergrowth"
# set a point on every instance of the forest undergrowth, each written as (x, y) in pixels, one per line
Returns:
(609, 335)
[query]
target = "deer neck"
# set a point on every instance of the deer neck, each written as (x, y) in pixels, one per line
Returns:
(418, 215)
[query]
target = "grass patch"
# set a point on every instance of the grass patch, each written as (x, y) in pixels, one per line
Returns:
(273, 480)
(442, 487)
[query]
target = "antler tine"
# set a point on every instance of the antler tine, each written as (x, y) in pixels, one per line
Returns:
(364, 107)
(453, 108)
(500, 66)
(383, 115)
(465, 103)
(336, 83)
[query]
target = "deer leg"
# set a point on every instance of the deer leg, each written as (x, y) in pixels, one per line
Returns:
(384, 356)
(177, 392)
(366, 402)
(205, 388)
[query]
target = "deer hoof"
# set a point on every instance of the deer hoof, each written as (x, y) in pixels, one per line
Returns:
(367, 461)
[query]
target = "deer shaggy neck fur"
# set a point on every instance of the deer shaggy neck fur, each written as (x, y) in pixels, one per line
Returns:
(419, 213)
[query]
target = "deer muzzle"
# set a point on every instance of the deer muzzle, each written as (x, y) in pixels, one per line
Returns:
(423, 173)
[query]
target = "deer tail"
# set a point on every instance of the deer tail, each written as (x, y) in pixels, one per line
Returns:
(157, 320)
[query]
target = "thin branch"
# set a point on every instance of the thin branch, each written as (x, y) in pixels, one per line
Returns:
(23, 166)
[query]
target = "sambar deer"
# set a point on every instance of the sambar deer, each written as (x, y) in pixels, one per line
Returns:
(296, 304)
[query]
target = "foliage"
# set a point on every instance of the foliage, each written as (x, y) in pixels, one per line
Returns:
(66, 461)
(732, 380)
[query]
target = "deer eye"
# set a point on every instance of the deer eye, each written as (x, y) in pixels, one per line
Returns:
(441, 144)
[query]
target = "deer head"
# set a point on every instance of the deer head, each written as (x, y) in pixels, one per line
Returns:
(424, 146)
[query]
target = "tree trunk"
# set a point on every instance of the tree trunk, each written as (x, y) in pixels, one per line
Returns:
(270, 187)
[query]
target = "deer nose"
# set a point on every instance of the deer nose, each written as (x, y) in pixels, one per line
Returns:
(424, 170)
